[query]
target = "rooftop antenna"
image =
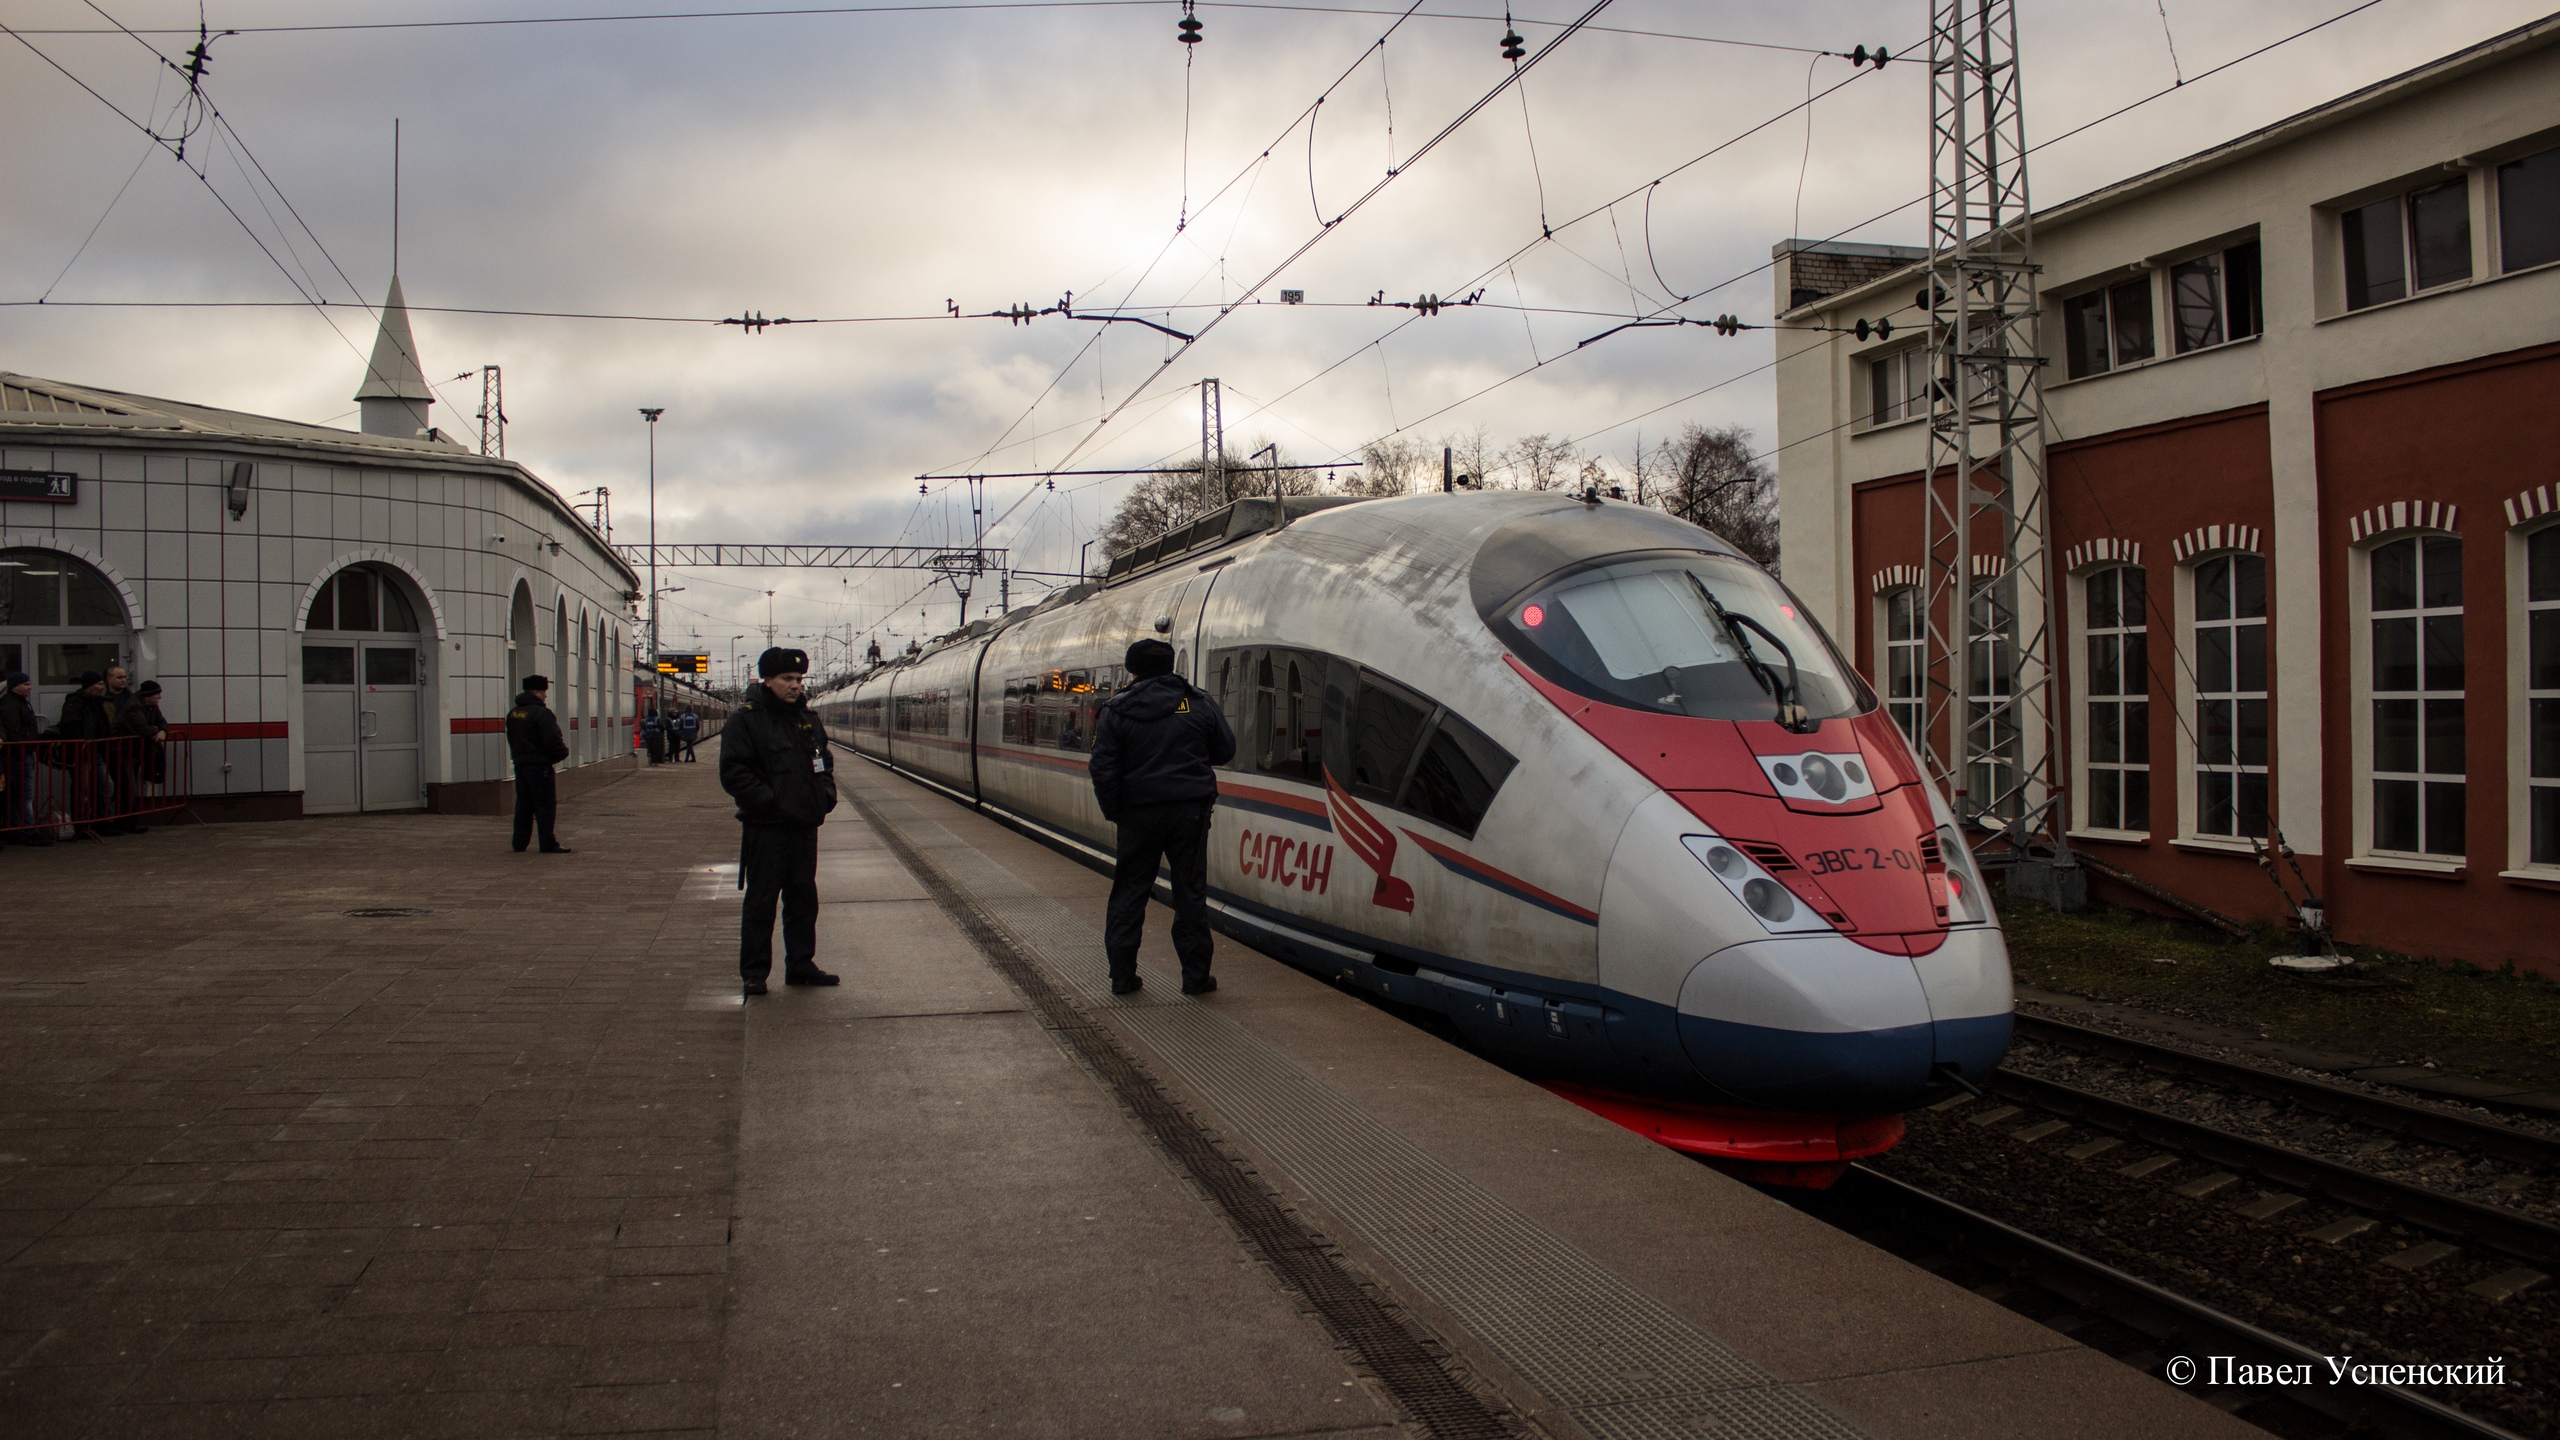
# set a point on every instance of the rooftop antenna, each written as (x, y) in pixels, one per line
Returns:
(395, 195)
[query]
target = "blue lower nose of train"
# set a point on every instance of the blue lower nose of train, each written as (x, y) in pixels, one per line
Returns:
(1846, 1071)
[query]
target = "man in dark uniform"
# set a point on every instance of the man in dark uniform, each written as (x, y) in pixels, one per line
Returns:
(1155, 752)
(774, 762)
(533, 737)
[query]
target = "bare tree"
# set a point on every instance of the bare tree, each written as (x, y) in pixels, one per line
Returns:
(1541, 462)
(1711, 478)
(1391, 467)
(1180, 494)
(1472, 453)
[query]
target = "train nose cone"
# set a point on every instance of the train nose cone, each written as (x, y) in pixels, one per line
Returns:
(1814, 1022)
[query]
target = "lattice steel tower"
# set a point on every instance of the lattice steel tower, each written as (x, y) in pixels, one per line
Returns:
(493, 414)
(1988, 596)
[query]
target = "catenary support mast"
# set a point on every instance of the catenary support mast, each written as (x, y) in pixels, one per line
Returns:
(1988, 599)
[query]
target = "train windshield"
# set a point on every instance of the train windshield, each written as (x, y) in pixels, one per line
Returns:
(1689, 634)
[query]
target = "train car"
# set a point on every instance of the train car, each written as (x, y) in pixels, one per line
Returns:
(1570, 772)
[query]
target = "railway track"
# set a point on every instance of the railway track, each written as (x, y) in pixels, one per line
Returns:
(2151, 1235)
(2472, 1135)
(2506, 1231)
(2131, 1319)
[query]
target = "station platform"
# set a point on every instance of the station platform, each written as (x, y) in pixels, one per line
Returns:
(524, 1163)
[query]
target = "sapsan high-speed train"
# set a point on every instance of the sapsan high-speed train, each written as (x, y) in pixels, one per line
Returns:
(1569, 771)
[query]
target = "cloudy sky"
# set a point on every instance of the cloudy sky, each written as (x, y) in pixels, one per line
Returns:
(876, 165)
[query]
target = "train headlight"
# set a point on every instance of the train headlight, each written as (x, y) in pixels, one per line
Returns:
(1768, 901)
(1967, 903)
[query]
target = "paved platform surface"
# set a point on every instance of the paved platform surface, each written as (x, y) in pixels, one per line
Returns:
(524, 1165)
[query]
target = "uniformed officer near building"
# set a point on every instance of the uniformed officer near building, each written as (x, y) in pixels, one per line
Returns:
(1156, 749)
(533, 738)
(774, 762)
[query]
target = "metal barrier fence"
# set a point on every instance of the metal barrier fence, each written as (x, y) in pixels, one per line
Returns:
(48, 786)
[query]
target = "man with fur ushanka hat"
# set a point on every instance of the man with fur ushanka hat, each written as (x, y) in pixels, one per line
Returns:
(775, 763)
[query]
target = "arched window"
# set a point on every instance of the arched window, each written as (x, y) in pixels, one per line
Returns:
(58, 617)
(2542, 696)
(2231, 731)
(361, 598)
(2415, 679)
(2115, 689)
(1902, 665)
(50, 589)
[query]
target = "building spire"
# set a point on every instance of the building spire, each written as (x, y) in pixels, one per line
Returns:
(394, 396)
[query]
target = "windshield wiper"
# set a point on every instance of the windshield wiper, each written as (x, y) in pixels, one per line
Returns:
(1789, 694)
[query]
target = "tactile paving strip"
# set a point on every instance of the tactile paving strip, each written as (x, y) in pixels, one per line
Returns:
(1625, 1366)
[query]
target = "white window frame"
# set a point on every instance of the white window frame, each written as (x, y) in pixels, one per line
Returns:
(2362, 851)
(2492, 206)
(2150, 278)
(1897, 708)
(2081, 699)
(2522, 782)
(1907, 359)
(2220, 252)
(2185, 727)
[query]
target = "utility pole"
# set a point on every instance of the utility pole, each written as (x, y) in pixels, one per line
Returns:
(768, 619)
(1988, 599)
(651, 416)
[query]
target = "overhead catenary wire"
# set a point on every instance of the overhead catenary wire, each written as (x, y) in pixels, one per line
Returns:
(2040, 145)
(197, 97)
(953, 6)
(1357, 203)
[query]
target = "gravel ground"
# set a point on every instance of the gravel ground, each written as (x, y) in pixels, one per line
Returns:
(2338, 1298)
(2416, 1162)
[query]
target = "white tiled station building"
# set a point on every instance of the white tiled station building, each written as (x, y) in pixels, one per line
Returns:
(338, 619)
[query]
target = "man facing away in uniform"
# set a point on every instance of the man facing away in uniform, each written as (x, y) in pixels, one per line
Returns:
(1155, 752)
(533, 737)
(689, 730)
(774, 762)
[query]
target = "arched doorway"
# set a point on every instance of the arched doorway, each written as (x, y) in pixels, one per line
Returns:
(520, 656)
(363, 685)
(58, 617)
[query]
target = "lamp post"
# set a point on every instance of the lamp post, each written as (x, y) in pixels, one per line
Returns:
(737, 685)
(651, 415)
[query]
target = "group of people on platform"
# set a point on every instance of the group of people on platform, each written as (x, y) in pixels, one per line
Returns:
(1156, 748)
(91, 791)
(670, 737)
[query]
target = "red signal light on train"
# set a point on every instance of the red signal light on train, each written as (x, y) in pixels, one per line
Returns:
(1534, 616)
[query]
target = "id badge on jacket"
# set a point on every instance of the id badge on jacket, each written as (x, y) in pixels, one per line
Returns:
(818, 764)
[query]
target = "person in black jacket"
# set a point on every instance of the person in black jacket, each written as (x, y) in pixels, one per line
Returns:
(85, 717)
(20, 728)
(1155, 752)
(774, 762)
(533, 738)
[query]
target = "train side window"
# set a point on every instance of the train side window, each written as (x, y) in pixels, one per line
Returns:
(1292, 715)
(1387, 721)
(1455, 779)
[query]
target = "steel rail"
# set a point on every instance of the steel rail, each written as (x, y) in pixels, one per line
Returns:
(2418, 1122)
(2178, 1324)
(2519, 1235)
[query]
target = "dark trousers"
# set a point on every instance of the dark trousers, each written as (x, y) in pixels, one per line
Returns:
(1177, 835)
(537, 803)
(778, 863)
